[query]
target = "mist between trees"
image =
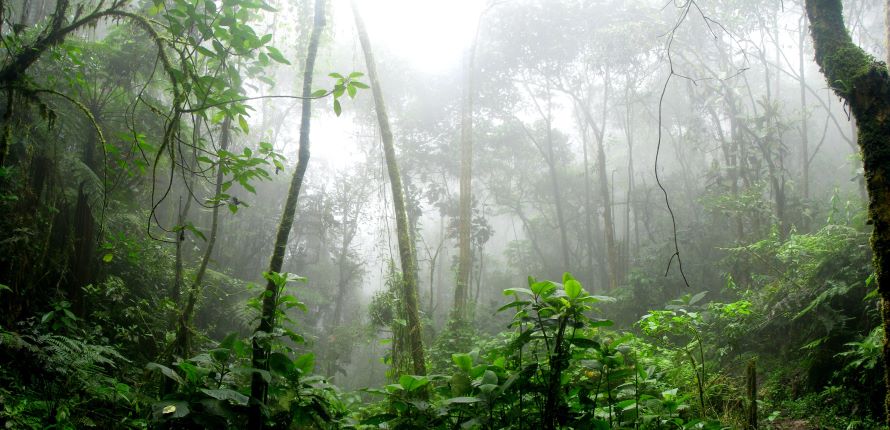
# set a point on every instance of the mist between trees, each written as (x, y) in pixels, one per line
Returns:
(484, 214)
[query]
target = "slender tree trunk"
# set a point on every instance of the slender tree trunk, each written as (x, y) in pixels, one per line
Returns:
(608, 218)
(182, 346)
(865, 85)
(407, 253)
(557, 196)
(465, 257)
(258, 386)
(588, 207)
(628, 130)
(804, 138)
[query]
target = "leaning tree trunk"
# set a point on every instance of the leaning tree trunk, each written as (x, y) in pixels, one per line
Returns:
(406, 244)
(182, 342)
(864, 84)
(258, 386)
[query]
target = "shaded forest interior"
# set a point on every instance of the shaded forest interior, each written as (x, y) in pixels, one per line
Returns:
(476, 214)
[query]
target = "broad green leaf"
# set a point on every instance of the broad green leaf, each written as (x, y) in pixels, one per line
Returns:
(489, 377)
(378, 419)
(166, 371)
(515, 291)
(305, 363)
(280, 364)
(463, 361)
(461, 400)
(412, 383)
(226, 394)
(572, 288)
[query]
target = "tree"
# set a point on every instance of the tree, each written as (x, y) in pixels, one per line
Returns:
(407, 253)
(863, 83)
(259, 386)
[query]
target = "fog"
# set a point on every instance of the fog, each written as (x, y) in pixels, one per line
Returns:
(688, 157)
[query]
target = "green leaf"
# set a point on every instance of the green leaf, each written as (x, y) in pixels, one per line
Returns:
(696, 298)
(354, 75)
(305, 363)
(601, 323)
(168, 372)
(543, 288)
(516, 291)
(412, 383)
(489, 378)
(107, 257)
(358, 84)
(573, 288)
(351, 91)
(514, 304)
(337, 109)
(276, 55)
(319, 93)
(378, 419)
(280, 364)
(226, 394)
(463, 361)
(243, 124)
(461, 400)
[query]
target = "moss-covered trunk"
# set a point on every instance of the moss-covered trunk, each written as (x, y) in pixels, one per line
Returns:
(407, 253)
(863, 83)
(258, 386)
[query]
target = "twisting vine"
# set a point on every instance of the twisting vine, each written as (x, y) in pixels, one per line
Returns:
(684, 14)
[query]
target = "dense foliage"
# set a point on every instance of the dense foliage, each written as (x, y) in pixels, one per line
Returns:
(146, 157)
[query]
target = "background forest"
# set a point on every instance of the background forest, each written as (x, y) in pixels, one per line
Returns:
(589, 214)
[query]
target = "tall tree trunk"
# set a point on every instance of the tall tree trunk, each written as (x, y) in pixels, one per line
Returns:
(608, 218)
(804, 138)
(465, 257)
(407, 253)
(258, 386)
(557, 194)
(863, 83)
(182, 344)
(588, 208)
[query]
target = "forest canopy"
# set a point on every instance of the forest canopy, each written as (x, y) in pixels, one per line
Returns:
(476, 214)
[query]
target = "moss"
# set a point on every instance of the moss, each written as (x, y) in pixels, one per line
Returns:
(845, 66)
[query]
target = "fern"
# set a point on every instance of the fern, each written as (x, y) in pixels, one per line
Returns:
(77, 173)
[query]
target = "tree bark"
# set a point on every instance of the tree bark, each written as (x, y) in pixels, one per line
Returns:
(465, 258)
(183, 334)
(407, 254)
(258, 386)
(864, 84)
(804, 117)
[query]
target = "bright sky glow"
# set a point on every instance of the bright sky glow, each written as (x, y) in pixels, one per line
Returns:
(431, 35)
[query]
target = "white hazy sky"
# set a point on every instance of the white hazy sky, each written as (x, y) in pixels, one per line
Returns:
(430, 34)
